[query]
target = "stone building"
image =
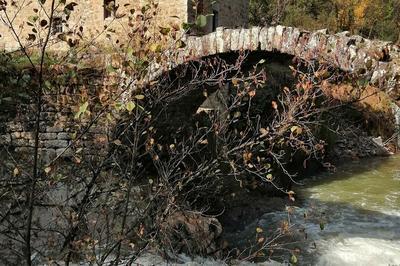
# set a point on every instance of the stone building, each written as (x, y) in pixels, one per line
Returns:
(91, 18)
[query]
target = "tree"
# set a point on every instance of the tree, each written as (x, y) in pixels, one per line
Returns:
(370, 18)
(129, 178)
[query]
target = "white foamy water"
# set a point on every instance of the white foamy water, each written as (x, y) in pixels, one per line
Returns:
(359, 207)
(360, 251)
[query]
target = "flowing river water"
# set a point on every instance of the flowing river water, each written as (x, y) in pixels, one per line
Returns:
(352, 216)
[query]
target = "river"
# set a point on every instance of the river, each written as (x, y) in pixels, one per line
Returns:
(350, 217)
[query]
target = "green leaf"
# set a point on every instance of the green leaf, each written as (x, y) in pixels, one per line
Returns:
(33, 18)
(47, 84)
(164, 31)
(129, 51)
(321, 226)
(110, 69)
(83, 107)
(180, 44)
(187, 26)
(201, 21)
(130, 106)
(82, 110)
(118, 106)
(293, 259)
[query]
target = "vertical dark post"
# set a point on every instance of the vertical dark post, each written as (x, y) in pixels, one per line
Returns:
(215, 20)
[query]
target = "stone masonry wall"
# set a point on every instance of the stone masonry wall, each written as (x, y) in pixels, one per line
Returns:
(58, 127)
(89, 14)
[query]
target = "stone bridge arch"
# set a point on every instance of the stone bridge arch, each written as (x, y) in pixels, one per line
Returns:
(374, 61)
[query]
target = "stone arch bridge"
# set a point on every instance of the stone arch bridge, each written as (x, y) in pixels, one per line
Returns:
(374, 61)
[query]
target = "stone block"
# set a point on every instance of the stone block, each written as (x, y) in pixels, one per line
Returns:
(13, 127)
(235, 35)
(64, 136)
(270, 38)
(47, 155)
(20, 142)
(5, 139)
(245, 39)
(209, 44)
(15, 135)
(255, 38)
(278, 37)
(263, 37)
(56, 144)
(64, 152)
(286, 41)
(48, 136)
(244, 36)
(220, 41)
(301, 43)
(227, 40)
(27, 135)
(54, 129)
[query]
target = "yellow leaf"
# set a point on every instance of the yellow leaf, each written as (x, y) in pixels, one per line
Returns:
(155, 48)
(16, 171)
(109, 117)
(261, 240)
(247, 156)
(203, 142)
(291, 195)
(296, 129)
(269, 177)
(237, 114)
(260, 254)
(139, 97)
(259, 230)
(47, 170)
(264, 132)
(117, 142)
